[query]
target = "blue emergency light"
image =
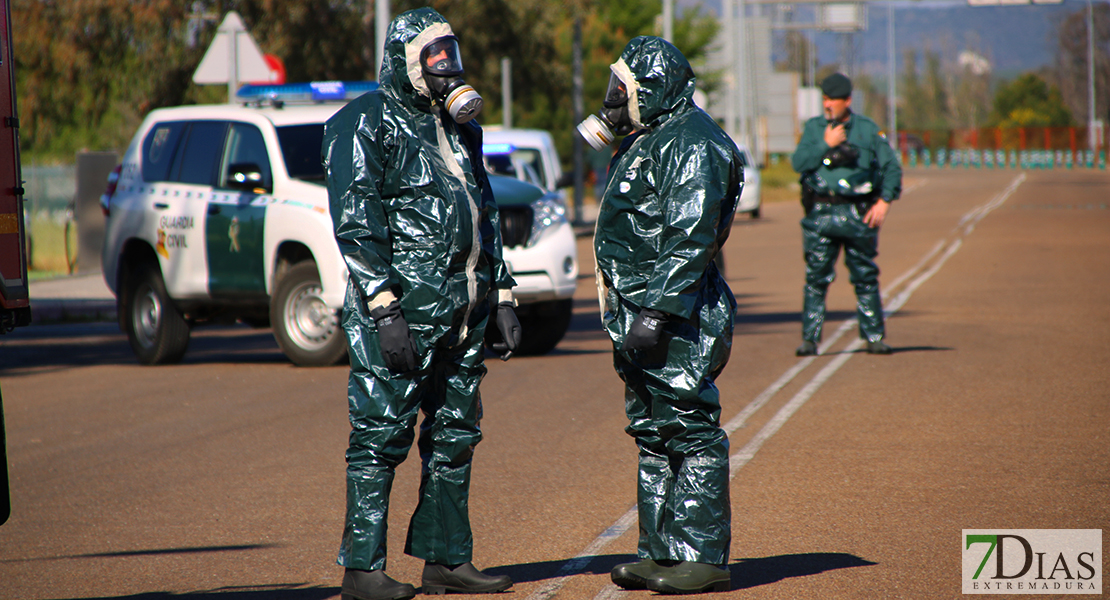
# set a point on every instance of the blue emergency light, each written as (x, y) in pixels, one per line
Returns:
(316, 91)
(498, 148)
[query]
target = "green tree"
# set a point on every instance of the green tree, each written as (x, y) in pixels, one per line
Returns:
(1028, 101)
(1070, 71)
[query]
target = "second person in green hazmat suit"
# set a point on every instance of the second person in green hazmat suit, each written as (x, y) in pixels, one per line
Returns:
(665, 214)
(417, 225)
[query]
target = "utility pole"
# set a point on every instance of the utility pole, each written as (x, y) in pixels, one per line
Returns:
(507, 92)
(891, 100)
(1092, 122)
(668, 20)
(381, 26)
(579, 109)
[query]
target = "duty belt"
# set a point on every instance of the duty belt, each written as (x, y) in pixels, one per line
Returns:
(819, 198)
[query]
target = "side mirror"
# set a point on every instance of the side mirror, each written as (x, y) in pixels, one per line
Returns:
(566, 180)
(246, 177)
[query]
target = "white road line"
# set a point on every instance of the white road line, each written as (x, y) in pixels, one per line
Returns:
(745, 454)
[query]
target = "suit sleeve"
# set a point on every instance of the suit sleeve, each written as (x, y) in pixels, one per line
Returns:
(355, 156)
(890, 170)
(811, 148)
(698, 182)
(490, 223)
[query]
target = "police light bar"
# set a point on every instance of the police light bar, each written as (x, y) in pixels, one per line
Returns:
(316, 91)
(498, 148)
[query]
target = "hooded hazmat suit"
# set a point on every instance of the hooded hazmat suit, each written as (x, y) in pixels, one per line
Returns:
(415, 221)
(667, 209)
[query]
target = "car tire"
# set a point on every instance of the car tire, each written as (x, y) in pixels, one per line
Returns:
(543, 326)
(308, 332)
(156, 329)
(755, 213)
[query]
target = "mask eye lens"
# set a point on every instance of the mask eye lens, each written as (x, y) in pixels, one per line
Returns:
(617, 94)
(441, 57)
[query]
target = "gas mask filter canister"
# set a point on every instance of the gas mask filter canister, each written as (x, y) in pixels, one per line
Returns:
(601, 129)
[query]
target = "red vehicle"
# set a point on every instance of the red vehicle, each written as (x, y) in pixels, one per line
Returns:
(15, 305)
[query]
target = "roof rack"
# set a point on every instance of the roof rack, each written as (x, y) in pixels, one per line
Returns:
(303, 93)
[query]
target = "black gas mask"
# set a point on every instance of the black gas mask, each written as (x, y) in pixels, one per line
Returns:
(443, 71)
(612, 120)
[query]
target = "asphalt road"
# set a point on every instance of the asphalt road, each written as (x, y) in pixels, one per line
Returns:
(223, 478)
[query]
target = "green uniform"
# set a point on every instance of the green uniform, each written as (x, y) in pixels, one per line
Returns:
(842, 196)
(414, 219)
(666, 211)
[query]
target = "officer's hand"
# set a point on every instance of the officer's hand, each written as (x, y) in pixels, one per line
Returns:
(395, 338)
(877, 214)
(509, 326)
(645, 330)
(835, 135)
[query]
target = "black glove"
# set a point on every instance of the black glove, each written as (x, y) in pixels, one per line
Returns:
(395, 338)
(509, 326)
(645, 330)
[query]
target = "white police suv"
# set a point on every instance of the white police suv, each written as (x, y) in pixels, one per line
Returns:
(219, 213)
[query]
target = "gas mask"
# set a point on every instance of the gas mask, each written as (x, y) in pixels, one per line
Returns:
(612, 120)
(443, 73)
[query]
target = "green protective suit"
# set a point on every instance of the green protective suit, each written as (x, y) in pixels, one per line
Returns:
(415, 220)
(667, 209)
(843, 196)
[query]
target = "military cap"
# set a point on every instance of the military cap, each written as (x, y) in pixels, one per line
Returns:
(837, 86)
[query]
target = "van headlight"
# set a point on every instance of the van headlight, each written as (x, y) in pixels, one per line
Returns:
(547, 212)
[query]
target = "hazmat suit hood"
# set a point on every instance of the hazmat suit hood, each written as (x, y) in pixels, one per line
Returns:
(401, 72)
(660, 80)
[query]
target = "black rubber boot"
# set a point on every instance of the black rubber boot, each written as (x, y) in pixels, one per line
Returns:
(807, 348)
(878, 347)
(373, 585)
(634, 576)
(691, 578)
(463, 579)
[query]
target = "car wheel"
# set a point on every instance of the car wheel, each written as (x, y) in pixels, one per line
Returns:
(306, 329)
(755, 213)
(157, 331)
(543, 325)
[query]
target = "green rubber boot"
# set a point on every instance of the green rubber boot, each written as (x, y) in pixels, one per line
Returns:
(691, 578)
(634, 576)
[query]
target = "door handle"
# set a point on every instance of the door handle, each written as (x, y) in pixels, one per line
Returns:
(161, 205)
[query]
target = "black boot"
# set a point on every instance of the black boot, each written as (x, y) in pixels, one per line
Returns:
(464, 579)
(691, 578)
(878, 347)
(634, 576)
(373, 585)
(807, 348)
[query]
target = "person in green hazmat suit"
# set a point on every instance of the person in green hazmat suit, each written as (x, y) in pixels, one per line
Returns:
(850, 176)
(666, 211)
(418, 227)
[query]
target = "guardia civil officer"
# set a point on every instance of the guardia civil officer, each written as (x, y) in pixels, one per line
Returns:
(666, 211)
(418, 228)
(849, 177)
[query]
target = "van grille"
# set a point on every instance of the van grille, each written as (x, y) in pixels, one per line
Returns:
(516, 225)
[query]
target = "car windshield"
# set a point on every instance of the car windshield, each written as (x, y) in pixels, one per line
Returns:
(521, 163)
(300, 147)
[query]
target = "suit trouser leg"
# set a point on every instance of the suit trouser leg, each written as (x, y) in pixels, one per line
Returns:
(821, 252)
(673, 408)
(859, 256)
